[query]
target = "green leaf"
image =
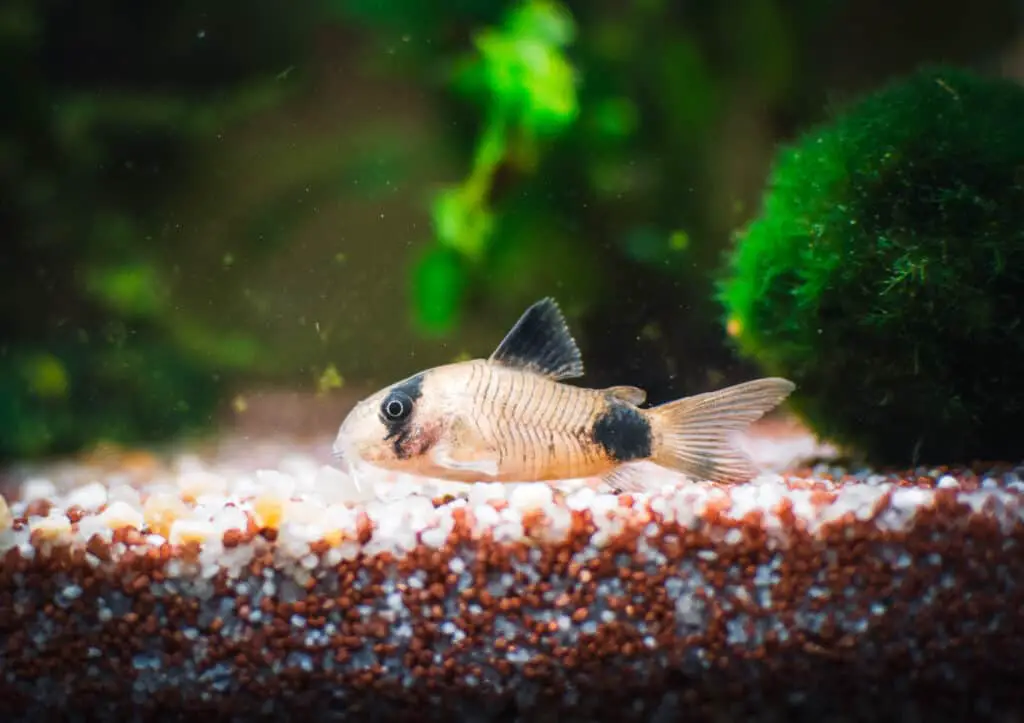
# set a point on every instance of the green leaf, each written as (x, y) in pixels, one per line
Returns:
(545, 21)
(461, 222)
(524, 70)
(132, 289)
(439, 282)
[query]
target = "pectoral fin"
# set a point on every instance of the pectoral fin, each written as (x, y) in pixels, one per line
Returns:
(462, 450)
(444, 456)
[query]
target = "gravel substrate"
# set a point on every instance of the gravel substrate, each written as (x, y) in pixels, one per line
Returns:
(260, 584)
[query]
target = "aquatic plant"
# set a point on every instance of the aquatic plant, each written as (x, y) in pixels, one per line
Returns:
(885, 272)
(521, 76)
(589, 134)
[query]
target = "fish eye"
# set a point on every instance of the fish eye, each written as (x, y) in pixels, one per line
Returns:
(397, 406)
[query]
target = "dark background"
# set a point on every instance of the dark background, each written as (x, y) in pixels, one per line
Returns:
(202, 200)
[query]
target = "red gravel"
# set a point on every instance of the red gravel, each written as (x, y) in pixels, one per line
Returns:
(820, 595)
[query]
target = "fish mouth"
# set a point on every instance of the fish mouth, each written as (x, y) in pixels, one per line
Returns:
(341, 460)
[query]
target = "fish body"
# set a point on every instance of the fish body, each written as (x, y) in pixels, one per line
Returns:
(512, 418)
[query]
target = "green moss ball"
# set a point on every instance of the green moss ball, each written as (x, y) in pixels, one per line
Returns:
(885, 272)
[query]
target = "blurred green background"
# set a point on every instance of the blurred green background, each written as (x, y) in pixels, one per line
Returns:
(203, 199)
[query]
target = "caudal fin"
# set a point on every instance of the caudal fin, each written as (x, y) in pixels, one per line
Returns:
(694, 435)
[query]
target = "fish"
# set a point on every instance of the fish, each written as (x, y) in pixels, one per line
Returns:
(516, 417)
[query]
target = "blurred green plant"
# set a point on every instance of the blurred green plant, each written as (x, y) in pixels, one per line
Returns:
(602, 144)
(885, 273)
(593, 132)
(526, 87)
(106, 107)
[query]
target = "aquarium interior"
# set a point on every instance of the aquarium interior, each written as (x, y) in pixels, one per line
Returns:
(227, 225)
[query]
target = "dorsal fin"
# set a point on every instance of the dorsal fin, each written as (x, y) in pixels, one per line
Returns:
(634, 395)
(541, 342)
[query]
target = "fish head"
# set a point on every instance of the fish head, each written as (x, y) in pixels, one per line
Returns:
(396, 426)
(428, 424)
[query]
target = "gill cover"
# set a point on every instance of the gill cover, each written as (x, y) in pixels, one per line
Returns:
(379, 429)
(398, 424)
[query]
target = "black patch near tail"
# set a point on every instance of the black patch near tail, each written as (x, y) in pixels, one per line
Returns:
(400, 429)
(623, 432)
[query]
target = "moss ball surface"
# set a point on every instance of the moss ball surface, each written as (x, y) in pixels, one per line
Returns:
(885, 272)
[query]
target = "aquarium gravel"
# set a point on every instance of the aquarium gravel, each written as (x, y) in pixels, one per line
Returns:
(258, 583)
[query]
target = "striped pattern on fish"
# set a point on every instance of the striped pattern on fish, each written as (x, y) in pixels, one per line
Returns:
(512, 418)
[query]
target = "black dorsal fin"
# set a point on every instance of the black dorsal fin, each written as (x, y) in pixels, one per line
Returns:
(540, 342)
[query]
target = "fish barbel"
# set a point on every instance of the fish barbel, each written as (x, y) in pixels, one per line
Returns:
(511, 418)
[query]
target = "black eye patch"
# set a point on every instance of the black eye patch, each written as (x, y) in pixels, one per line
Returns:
(396, 407)
(395, 412)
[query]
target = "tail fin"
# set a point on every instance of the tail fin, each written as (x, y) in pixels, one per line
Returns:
(692, 434)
